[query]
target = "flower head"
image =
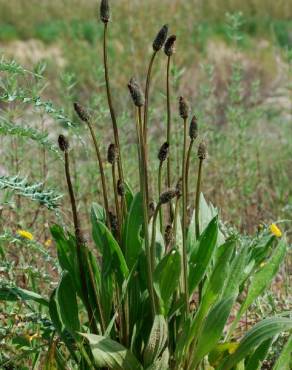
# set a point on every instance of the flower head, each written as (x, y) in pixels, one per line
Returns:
(48, 242)
(25, 234)
(275, 230)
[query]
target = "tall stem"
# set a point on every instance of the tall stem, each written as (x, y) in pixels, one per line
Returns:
(79, 245)
(110, 104)
(159, 192)
(184, 220)
(117, 201)
(168, 135)
(188, 169)
(103, 182)
(197, 214)
(147, 88)
(144, 185)
(197, 202)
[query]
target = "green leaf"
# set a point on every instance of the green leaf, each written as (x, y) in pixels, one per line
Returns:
(206, 214)
(67, 303)
(166, 278)
(161, 363)
(285, 358)
(212, 329)
(157, 340)
(99, 212)
(113, 260)
(261, 332)
(132, 240)
(17, 294)
(129, 196)
(111, 354)
(261, 280)
(256, 359)
(200, 258)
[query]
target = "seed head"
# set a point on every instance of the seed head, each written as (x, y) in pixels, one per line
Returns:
(183, 108)
(136, 93)
(63, 143)
(202, 151)
(193, 132)
(168, 235)
(169, 47)
(166, 196)
(104, 11)
(160, 38)
(163, 152)
(121, 188)
(178, 187)
(113, 222)
(111, 153)
(81, 112)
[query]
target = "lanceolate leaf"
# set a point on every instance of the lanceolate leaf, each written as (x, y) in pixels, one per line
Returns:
(111, 354)
(166, 278)
(113, 260)
(259, 355)
(67, 303)
(157, 340)
(200, 259)
(212, 329)
(18, 294)
(261, 280)
(132, 241)
(261, 332)
(285, 359)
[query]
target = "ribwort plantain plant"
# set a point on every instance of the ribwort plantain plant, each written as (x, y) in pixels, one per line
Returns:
(156, 295)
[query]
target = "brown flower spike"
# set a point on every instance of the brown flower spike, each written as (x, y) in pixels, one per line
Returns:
(160, 38)
(183, 108)
(63, 143)
(104, 11)
(169, 47)
(136, 93)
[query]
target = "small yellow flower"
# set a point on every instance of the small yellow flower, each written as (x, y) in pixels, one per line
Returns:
(25, 234)
(48, 242)
(233, 347)
(263, 264)
(275, 230)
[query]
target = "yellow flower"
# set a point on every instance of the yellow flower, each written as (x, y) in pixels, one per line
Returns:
(25, 234)
(263, 264)
(48, 242)
(275, 230)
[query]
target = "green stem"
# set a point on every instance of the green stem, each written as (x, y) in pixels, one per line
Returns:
(197, 202)
(118, 212)
(153, 235)
(168, 135)
(159, 192)
(184, 221)
(144, 185)
(100, 164)
(197, 214)
(147, 88)
(110, 104)
(188, 169)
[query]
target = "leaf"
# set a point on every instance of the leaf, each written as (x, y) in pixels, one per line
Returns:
(132, 240)
(206, 214)
(259, 355)
(161, 363)
(111, 354)
(157, 340)
(129, 196)
(17, 294)
(261, 280)
(166, 278)
(113, 260)
(99, 212)
(200, 258)
(284, 360)
(212, 329)
(261, 332)
(67, 303)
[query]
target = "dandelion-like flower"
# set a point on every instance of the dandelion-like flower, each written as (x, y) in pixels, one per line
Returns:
(25, 234)
(48, 243)
(275, 230)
